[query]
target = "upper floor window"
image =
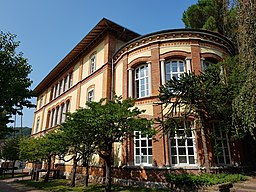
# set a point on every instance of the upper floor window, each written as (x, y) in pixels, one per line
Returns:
(92, 64)
(70, 80)
(142, 149)
(206, 64)
(174, 68)
(141, 81)
(41, 102)
(182, 145)
(37, 124)
(90, 95)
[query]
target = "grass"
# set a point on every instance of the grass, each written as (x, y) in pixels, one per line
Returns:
(61, 185)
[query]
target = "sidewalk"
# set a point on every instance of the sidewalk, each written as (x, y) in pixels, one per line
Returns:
(8, 185)
(245, 186)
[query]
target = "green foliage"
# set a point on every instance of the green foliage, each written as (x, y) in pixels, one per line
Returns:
(185, 179)
(214, 15)
(10, 149)
(14, 81)
(112, 121)
(29, 149)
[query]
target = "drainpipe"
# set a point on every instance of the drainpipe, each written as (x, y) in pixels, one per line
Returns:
(112, 80)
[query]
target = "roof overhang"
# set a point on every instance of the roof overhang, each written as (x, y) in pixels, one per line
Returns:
(89, 40)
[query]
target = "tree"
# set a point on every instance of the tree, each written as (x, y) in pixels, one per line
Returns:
(14, 81)
(50, 145)
(43, 148)
(107, 122)
(205, 97)
(80, 144)
(10, 151)
(213, 15)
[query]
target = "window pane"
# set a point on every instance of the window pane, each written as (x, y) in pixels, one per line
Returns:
(190, 142)
(144, 151)
(173, 151)
(181, 66)
(137, 159)
(191, 160)
(143, 143)
(150, 151)
(143, 159)
(150, 159)
(137, 151)
(150, 143)
(182, 151)
(181, 142)
(173, 142)
(137, 143)
(190, 151)
(174, 159)
(182, 159)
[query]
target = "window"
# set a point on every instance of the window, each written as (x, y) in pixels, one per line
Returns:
(37, 124)
(52, 118)
(57, 116)
(221, 146)
(70, 80)
(60, 87)
(90, 95)
(142, 149)
(65, 84)
(41, 102)
(174, 68)
(141, 81)
(182, 145)
(92, 64)
(205, 64)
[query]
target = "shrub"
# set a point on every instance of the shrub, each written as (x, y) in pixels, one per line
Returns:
(185, 179)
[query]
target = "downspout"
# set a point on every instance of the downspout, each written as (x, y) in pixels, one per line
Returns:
(112, 80)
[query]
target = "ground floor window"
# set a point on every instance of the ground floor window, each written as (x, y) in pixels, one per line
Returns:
(182, 145)
(142, 149)
(221, 145)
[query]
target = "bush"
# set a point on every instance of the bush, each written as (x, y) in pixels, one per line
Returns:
(185, 179)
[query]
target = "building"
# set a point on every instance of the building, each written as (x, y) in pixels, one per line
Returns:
(111, 58)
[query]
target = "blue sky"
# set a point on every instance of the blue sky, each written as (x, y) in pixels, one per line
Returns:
(49, 29)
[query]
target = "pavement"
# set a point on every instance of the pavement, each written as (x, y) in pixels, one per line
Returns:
(245, 186)
(9, 185)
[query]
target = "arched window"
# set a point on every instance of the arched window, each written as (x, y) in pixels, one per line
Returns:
(141, 81)
(174, 68)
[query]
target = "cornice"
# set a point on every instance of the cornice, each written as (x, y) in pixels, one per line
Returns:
(176, 35)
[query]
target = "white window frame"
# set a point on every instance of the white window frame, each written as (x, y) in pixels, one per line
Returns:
(223, 141)
(37, 124)
(169, 66)
(92, 64)
(90, 95)
(141, 76)
(138, 139)
(183, 138)
(41, 102)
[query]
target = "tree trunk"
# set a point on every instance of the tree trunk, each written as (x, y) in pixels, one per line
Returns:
(13, 164)
(46, 179)
(108, 173)
(73, 173)
(87, 173)
(206, 158)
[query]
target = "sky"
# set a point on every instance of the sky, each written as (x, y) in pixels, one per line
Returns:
(49, 29)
